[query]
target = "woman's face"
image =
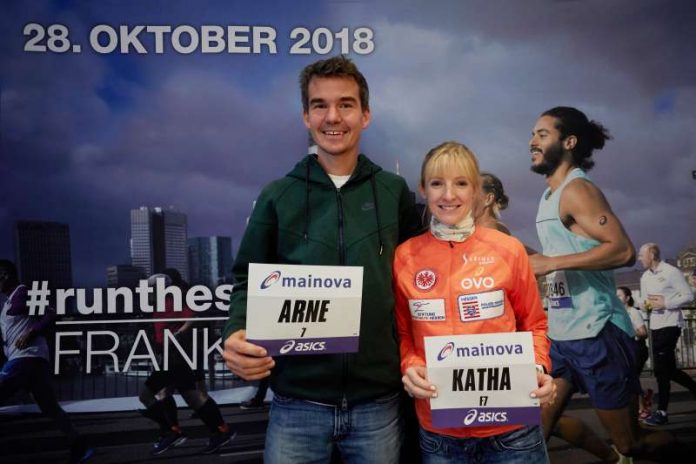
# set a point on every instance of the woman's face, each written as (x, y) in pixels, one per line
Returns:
(449, 196)
(621, 295)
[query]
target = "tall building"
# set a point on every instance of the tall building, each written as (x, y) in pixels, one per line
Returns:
(124, 275)
(43, 253)
(210, 260)
(158, 240)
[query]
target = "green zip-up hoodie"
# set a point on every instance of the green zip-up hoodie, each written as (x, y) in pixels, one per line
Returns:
(304, 219)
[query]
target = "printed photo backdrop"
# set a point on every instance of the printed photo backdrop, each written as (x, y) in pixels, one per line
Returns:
(109, 106)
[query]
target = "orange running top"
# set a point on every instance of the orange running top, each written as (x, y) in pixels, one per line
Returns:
(435, 283)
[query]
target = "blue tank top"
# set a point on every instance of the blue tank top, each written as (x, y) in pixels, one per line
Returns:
(580, 302)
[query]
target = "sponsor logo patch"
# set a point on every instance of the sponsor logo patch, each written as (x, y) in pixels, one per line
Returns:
(479, 306)
(427, 310)
(425, 279)
(480, 260)
(477, 282)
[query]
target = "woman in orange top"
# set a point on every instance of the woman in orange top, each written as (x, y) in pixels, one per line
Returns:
(456, 260)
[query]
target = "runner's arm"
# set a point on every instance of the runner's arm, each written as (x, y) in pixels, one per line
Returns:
(585, 205)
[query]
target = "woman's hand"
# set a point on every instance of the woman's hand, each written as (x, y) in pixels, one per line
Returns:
(417, 385)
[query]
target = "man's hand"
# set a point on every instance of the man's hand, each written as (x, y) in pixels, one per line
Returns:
(245, 359)
(546, 393)
(656, 301)
(541, 264)
(417, 385)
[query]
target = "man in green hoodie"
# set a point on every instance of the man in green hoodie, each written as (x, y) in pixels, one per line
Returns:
(333, 208)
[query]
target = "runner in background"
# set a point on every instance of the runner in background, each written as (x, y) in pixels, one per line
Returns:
(638, 319)
(26, 350)
(569, 428)
(665, 289)
(494, 200)
(178, 375)
(582, 242)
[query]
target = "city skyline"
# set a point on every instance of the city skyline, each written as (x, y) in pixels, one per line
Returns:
(43, 251)
(104, 279)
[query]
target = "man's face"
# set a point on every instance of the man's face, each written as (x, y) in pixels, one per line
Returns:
(645, 257)
(334, 116)
(545, 146)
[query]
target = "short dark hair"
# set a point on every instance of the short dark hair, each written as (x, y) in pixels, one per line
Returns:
(338, 66)
(492, 184)
(591, 135)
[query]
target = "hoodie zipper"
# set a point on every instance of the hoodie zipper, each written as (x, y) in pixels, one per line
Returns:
(341, 244)
(342, 262)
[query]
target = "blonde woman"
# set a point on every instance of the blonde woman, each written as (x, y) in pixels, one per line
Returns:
(450, 184)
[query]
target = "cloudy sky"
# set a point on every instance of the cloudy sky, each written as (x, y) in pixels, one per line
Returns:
(85, 137)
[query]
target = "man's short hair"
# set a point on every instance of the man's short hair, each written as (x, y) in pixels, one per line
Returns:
(338, 66)
(590, 135)
(654, 249)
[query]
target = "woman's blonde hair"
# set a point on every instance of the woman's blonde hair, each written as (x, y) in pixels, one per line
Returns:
(448, 156)
(453, 156)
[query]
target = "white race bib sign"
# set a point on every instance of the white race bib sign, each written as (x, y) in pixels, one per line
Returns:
(295, 309)
(558, 291)
(482, 380)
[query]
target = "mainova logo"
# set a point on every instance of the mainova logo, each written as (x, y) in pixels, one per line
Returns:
(272, 278)
(446, 351)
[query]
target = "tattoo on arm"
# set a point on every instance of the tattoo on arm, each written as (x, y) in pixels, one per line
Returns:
(602, 220)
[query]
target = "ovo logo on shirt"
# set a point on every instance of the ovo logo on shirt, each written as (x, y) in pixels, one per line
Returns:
(477, 282)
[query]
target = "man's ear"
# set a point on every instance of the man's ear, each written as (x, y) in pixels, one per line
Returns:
(570, 142)
(367, 117)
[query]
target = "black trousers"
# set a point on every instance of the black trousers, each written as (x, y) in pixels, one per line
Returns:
(664, 345)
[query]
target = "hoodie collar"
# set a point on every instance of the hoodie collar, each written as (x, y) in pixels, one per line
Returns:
(309, 170)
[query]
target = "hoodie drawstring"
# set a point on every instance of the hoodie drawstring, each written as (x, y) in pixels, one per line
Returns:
(306, 225)
(379, 224)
